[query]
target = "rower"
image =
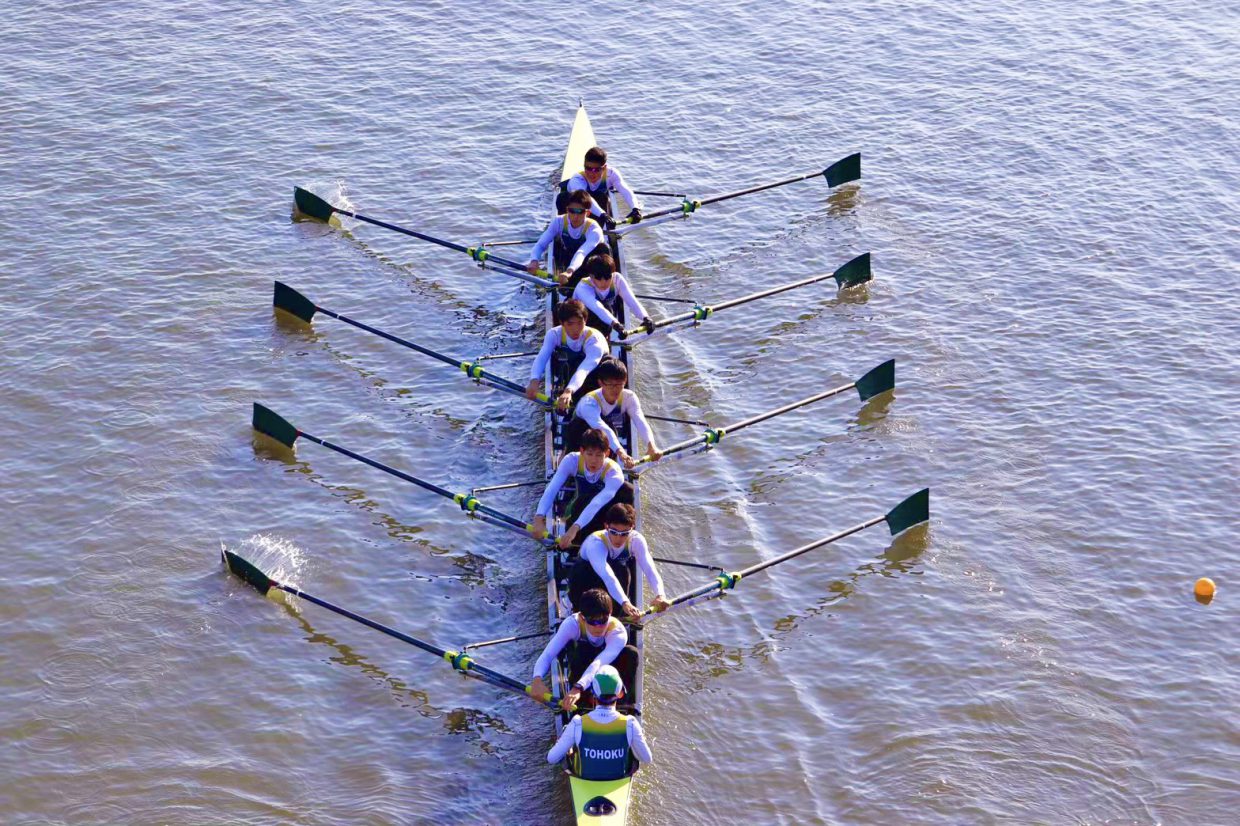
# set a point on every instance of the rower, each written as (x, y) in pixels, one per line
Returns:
(603, 291)
(575, 236)
(594, 638)
(604, 742)
(614, 410)
(600, 180)
(600, 482)
(606, 561)
(574, 350)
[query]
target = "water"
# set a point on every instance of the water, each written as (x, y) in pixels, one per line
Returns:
(1048, 194)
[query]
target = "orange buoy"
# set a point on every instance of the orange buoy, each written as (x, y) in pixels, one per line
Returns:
(1204, 588)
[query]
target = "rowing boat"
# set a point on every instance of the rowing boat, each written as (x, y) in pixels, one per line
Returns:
(595, 802)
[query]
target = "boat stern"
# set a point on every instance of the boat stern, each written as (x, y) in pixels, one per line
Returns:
(601, 802)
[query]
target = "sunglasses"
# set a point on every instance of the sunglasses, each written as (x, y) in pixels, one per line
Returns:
(603, 276)
(594, 169)
(597, 620)
(577, 210)
(615, 532)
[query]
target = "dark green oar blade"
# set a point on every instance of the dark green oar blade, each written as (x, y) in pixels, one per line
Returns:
(460, 661)
(312, 205)
(270, 423)
(879, 380)
(843, 170)
(856, 271)
(912, 511)
(247, 571)
(291, 301)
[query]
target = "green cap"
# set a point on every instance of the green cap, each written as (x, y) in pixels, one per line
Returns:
(607, 683)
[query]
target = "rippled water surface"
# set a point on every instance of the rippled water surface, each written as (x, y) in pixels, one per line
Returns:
(1050, 198)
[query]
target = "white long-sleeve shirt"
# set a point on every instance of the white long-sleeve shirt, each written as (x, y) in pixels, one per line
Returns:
(615, 182)
(597, 550)
(610, 473)
(613, 638)
(571, 736)
(587, 295)
(593, 406)
(592, 231)
(592, 341)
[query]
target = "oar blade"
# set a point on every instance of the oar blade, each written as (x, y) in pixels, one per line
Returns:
(291, 301)
(270, 423)
(856, 271)
(312, 205)
(844, 170)
(912, 511)
(248, 571)
(879, 380)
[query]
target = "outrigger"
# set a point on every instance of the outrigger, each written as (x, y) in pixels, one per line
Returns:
(596, 802)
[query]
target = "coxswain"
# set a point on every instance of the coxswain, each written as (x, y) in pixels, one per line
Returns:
(614, 410)
(600, 180)
(594, 638)
(573, 349)
(575, 236)
(604, 291)
(603, 742)
(599, 482)
(607, 559)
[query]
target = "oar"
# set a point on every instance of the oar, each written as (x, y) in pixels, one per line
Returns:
(459, 660)
(293, 302)
(878, 380)
(856, 271)
(312, 205)
(912, 511)
(841, 172)
(271, 424)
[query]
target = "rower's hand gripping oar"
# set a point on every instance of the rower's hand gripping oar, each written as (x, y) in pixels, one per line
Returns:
(912, 511)
(842, 171)
(271, 424)
(857, 271)
(878, 380)
(293, 302)
(315, 207)
(460, 661)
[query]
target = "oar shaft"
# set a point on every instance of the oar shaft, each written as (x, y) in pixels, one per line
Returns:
(761, 566)
(761, 417)
(470, 668)
(478, 507)
(426, 351)
(685, 209)
(715, 434)
(703, 312)
(481, 256)
(772, 291)
(729, 580)
(471, 370)
(403, 230)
